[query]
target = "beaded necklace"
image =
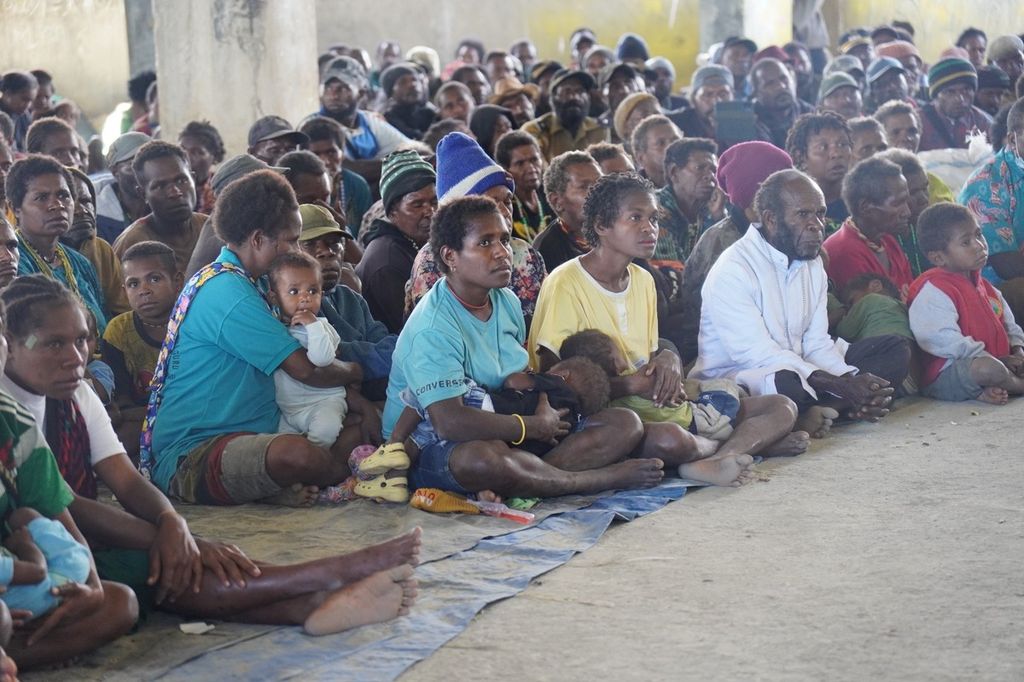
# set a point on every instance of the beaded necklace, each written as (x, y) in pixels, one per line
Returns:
(59, 255)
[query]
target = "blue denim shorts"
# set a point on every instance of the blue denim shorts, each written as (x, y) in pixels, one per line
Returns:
(432, 468)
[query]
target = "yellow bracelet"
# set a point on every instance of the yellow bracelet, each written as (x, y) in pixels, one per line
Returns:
(522, 437)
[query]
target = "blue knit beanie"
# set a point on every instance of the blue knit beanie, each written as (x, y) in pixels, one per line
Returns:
(464, 169)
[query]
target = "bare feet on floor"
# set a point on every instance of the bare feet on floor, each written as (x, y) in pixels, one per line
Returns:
(816, 420)
(994, 395)
(398, 551)
(636, 473)
(378, 598)
(729, 470)
(792, 444)
(296, 495)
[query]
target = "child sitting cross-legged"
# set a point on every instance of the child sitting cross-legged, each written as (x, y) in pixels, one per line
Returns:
(132, 340)
(709, 419)
(38, 556)
(976, 349)
(320, 413)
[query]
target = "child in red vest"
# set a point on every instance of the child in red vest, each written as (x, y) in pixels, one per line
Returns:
(974, 348)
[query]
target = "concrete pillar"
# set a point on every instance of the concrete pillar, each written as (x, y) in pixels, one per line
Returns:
(719, 19)
(138, 18)
(233, 61)
(766, 23)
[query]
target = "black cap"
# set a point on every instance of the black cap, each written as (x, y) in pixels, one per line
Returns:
(273, 127)
(567, 74)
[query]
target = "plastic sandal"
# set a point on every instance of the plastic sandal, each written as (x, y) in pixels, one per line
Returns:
(368, 463)
(384, 489)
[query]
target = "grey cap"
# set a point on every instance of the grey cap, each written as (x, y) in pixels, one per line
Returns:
(236, 167)
(347, 70)
(710, 72)
(845, 63)
(125, 147)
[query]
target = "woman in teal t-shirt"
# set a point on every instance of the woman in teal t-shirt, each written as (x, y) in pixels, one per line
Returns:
(470, 326)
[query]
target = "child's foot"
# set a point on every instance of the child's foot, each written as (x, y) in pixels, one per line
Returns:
(729, 471)
(790, 445)
(816, 420)
(296, 495)
(380, 597)
(994, 395)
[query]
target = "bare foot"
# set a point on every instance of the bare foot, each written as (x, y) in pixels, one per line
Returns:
(488, 496)
(378, 598)
(636, 473)
(994, 395)
(404, 549)
(296, 495)
(816, 421)
(730, 470)
(790, 445)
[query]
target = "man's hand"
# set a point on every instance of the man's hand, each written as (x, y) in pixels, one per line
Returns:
(869, 396)
(667, 374)
(227, 562)
(1014, 363)
(174, 561)
(546, 424)
(76, 600)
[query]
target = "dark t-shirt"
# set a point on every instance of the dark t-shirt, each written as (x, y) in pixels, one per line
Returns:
(384, 270)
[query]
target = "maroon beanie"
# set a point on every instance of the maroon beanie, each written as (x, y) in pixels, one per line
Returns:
(743, 167)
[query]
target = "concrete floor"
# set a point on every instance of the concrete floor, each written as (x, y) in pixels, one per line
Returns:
(890, 551)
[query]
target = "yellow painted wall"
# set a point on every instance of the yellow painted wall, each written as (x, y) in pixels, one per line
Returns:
(83, 42)
(937, 23)
(671, 27)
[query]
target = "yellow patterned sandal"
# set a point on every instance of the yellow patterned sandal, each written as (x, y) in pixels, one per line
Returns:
(384, 489)
(367, 462)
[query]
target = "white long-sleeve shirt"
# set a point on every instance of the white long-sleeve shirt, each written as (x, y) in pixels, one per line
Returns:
(933, 319)
(761, 314)
(321, 343)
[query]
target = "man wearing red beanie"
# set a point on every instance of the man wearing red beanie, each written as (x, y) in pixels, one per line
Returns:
(741, 170)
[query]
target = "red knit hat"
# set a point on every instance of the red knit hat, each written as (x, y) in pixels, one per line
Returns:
(743, 167)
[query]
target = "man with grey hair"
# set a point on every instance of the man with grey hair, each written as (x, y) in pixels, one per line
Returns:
(878, 199)
(764, 322)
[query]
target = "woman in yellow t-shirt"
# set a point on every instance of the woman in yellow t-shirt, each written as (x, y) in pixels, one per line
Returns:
(606, 290)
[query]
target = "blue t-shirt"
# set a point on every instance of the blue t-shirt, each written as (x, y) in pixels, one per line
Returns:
(442, 344)
(220, 374)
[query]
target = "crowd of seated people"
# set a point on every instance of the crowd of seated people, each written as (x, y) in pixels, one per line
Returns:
(510, 276)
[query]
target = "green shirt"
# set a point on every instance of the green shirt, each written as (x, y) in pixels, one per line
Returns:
(875, 315)
(27, 465)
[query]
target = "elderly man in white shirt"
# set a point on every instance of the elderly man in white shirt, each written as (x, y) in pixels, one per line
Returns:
(764, 322)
